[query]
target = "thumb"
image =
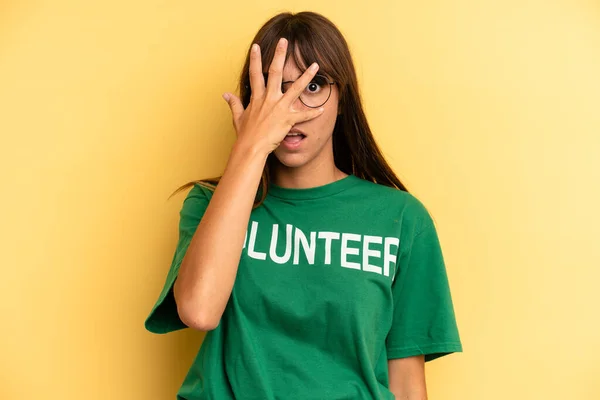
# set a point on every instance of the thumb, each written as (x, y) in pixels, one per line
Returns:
(234, 104)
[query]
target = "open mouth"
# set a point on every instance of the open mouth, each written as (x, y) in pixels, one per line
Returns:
(294, 138)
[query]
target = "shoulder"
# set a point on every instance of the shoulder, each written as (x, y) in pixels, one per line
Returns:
(200, 190)
(195, 202)
(404, 205)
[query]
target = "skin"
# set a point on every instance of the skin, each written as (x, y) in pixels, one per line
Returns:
(312, 164)
(407, 378)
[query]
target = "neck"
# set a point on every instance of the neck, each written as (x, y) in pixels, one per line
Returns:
(306, 176)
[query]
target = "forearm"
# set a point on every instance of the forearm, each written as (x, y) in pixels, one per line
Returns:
(409, 394)
(209, 267)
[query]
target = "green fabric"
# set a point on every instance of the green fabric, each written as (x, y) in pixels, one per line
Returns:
(318, 305)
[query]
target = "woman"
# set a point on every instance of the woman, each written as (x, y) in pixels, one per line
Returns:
(314, 272)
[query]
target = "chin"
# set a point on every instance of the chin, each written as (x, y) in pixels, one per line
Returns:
(290, 160)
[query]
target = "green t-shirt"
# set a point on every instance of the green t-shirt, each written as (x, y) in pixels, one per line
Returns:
(332, 282)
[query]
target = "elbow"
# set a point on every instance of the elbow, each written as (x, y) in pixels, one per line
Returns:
(191, 314)
(196, 320)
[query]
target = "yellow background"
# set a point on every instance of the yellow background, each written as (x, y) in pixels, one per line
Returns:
(488, 110)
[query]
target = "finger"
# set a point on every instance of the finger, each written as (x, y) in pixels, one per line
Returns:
(302, 116)
(257, 79)
(235, 104)
(276, 67)
(300, 84)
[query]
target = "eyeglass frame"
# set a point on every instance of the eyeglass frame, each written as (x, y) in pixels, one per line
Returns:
(266, 75)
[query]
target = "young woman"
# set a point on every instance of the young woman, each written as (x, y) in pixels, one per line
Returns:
(314, 272)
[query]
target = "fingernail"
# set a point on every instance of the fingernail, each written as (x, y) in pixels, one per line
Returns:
(314, 66)
(254, 47)
(226, 96)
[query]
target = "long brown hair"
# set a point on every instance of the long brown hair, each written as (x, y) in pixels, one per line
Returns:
(318, 39)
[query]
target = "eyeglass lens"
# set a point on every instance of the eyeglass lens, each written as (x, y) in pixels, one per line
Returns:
(315, 94)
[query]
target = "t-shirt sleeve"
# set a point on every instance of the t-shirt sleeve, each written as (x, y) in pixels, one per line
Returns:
(423, 317)
(163, 317)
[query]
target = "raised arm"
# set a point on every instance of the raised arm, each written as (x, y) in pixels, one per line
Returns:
(209, 267)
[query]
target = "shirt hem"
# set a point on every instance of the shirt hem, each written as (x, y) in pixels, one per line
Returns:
(430, 351)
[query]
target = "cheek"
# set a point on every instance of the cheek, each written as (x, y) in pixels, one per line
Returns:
(322, 124)
(328, 117)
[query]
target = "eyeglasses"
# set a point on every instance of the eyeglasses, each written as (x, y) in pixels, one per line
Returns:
(316, 93)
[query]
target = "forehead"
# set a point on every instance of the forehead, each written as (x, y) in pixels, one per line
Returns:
(291, 71)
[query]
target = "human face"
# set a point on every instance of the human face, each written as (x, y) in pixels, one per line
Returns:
(316, 148)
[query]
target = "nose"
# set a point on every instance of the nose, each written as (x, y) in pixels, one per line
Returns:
(298, 105)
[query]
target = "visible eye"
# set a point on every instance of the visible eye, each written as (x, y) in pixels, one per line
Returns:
(316, 84)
